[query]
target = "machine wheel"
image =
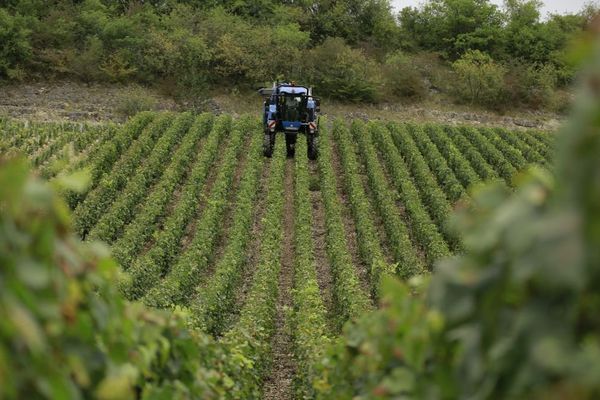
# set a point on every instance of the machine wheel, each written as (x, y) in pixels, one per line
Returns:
(290, 145)
(312, 143)
(268, 144)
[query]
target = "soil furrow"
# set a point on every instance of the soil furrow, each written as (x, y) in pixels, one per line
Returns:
(253, 248)
(186, 176)
(228, 217)
(278, 384)
(202, 200)
(190, 229)
(349, 223)
(319, 232)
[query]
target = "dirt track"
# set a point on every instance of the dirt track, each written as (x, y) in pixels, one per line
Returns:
(71, 101)
(59, 101)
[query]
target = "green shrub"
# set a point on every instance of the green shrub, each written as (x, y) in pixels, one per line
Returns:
(178, 59)
(188, 66)
(15, 50)
(92, 16)
(248, 55)
(344, 73)
(479, 80)
(402, 77)
(532, 85)
(86, 64)
(66, 332)
(134, 101)
(242, 51)
(116, 68)
(288, 47)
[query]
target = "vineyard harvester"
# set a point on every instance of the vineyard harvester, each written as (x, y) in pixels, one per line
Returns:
(291, 110)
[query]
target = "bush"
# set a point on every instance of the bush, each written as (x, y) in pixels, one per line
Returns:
(242, 52)
(66, 331)
(15, 50)
(189, 68)
(402, 77)
(532, 85)
(116, 68)
(240, 57)
(479, 80)
(344, 73)
(249, 55)
(288, 45)
(134, 101)
(86, 64)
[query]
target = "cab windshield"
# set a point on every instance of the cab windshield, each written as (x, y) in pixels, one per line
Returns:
(292, 107)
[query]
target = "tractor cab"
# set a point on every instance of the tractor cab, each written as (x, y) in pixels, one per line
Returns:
(292, 103)
(292, 110)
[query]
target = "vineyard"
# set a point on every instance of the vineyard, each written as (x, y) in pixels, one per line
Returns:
(270, 257)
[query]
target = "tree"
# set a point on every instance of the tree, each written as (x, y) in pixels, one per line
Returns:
(480, 79)
(540, 42)
(454, 26)
(352, 20)
(403, 78)
(343, 73)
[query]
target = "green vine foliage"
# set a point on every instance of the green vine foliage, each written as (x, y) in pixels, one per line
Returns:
(516, 317)
(65, 331)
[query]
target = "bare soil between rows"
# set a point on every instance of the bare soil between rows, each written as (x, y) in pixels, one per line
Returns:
(319, 233)
(279, 384)
(253, 248)
(362, 269)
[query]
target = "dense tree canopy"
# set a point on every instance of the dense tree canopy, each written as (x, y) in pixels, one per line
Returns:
(516, 30)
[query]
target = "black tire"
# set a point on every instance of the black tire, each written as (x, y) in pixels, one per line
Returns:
(312, 143)
(268, 144)
(290, 145)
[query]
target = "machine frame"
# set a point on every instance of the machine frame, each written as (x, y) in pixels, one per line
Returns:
(292, 110)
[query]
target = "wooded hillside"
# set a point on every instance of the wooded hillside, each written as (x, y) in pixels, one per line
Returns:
(352, 50)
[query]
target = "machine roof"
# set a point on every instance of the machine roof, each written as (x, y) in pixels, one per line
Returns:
(293, 89)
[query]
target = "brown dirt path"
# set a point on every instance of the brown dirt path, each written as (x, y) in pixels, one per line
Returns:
(279, 384)
(72, 101)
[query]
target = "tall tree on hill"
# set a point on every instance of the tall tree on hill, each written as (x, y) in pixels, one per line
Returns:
(530, 39)
(353, 20)
(454, 26)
